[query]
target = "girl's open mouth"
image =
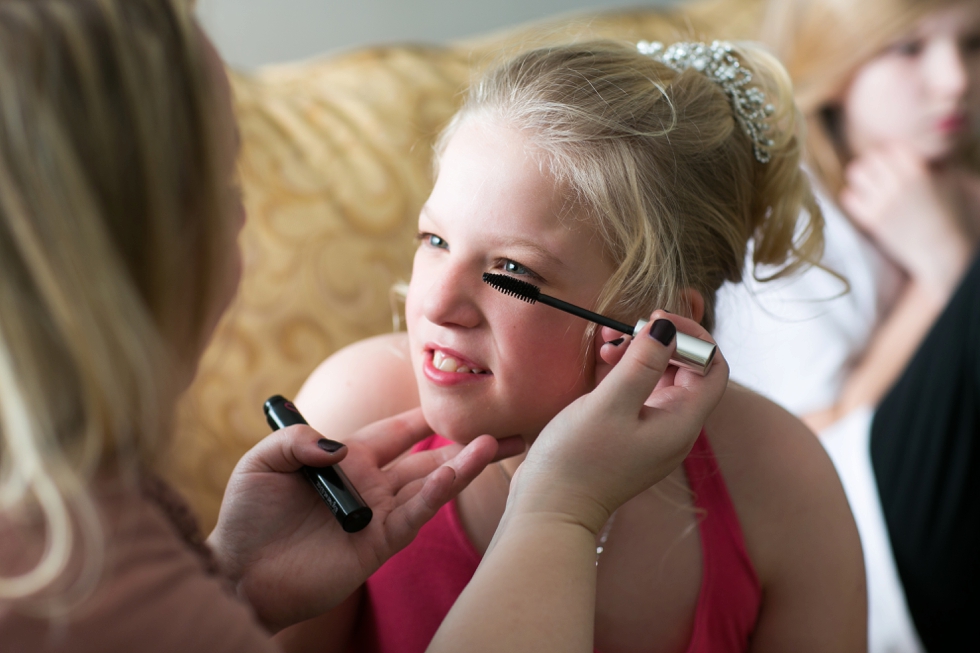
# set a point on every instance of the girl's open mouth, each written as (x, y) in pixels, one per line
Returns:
(446, 367)
(446, 363)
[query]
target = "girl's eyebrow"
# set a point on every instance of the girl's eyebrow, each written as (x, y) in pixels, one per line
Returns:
(516, 241)
(535, 248)
(424, 211)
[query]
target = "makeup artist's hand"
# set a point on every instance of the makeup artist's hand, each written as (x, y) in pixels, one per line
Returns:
(283, 547)
(596, 454)
(627, 434)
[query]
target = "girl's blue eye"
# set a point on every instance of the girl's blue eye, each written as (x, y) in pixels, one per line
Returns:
(514, 267)
(433, 240)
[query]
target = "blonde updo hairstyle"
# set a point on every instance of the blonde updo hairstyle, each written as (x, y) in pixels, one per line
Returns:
(659, 163)
(109, 192)
(823, 43)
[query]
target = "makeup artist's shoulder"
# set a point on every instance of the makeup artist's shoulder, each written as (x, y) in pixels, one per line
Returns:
(363, 382)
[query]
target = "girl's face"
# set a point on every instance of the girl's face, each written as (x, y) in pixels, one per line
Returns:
(486, 362)
(923, 91)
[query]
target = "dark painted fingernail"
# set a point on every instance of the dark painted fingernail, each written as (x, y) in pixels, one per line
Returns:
(329, 445)
(617, 342)
(663, 331)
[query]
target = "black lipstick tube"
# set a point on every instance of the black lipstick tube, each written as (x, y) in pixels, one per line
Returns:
(330, 483)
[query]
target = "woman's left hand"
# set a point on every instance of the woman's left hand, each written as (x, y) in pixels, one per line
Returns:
(283, 547)
(649, 414)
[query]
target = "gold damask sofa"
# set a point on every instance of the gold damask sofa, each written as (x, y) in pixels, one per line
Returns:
(335, 166)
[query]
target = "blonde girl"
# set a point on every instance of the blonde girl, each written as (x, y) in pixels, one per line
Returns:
(891, 93)
(617, 182)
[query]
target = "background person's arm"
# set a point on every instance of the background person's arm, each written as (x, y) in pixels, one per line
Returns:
(892, 346)
(919, 217)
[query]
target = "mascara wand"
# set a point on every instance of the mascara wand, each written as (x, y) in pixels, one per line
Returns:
(692, 353)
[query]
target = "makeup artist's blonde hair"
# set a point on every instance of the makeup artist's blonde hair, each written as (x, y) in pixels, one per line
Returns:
(658, 161)
(109, 237)
(822, 44)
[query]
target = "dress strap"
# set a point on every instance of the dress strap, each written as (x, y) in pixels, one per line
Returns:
(731, 595)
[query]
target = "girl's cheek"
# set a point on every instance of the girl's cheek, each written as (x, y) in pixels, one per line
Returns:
(553, 356)
(413, 304)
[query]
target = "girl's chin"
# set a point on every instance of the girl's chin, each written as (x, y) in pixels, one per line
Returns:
(455, 432)
(462, 431)
(941, 150)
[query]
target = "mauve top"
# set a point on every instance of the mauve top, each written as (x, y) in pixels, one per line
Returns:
(160, 590)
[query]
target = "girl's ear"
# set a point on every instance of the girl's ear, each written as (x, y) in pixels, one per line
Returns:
(693, 303)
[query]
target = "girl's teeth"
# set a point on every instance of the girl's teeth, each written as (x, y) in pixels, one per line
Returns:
(449, 364)
(442, 362)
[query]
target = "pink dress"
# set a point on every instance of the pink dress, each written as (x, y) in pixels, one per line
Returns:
(412, 593)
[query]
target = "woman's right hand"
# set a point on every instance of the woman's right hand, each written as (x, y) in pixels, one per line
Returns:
(912, 212)
(626, 435)
(282, 547)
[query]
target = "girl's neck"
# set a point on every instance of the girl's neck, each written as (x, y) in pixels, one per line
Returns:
(481, 505)
(971, 193)
(966, 182)
(510, 465)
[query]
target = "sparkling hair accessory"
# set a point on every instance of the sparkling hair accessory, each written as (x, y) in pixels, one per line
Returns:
(718, 63)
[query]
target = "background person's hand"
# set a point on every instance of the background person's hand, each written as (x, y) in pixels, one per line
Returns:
(626, 435)
(910, 210)
(284, 548)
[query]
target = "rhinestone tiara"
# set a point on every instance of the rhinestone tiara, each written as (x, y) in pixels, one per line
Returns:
(718, 63)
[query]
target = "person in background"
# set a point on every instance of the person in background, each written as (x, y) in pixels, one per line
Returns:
(884, 366)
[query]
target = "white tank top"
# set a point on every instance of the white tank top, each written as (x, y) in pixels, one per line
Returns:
(795, 340)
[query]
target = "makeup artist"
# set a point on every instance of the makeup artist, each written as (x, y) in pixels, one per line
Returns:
(118, 220)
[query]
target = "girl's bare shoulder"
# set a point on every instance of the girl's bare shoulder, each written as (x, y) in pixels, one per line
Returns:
(366, 381)
(785, 489)
(749, 433)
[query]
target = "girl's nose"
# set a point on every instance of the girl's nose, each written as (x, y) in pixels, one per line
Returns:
(449, 298)
(946, 69)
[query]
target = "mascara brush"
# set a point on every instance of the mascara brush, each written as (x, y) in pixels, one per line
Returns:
(692, 353)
